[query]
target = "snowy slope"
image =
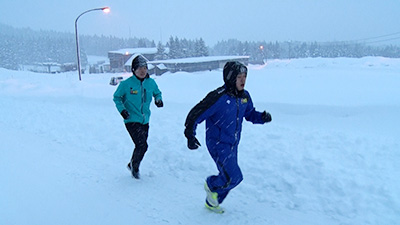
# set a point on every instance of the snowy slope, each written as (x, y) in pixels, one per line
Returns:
(330, 155)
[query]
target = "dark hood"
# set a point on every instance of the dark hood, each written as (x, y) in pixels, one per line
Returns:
(231, 71)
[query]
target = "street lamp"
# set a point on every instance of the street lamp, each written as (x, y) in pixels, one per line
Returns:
(263, 55)
(104, 9)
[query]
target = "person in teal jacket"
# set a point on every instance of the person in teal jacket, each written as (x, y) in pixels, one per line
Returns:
(132, 99)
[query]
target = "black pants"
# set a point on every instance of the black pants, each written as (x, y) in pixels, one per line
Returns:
(139, 133)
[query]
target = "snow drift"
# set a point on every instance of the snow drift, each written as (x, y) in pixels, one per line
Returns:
(329, 156)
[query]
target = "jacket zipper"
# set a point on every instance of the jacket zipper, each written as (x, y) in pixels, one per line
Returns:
(237, 121)
(143, 96)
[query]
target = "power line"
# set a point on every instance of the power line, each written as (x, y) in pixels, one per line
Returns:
(390, 39)
(387, 35)
(364, 40)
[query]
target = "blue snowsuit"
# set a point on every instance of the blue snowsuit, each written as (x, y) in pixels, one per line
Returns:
(224, 110)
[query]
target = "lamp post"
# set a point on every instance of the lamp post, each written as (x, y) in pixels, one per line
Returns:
(104, 9)
(262, 53)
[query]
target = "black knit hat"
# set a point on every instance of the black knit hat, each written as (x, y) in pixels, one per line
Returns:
(138, 61)
(231, 71)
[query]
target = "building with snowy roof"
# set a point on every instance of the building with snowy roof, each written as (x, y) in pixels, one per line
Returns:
(198, 63)
(121, 61)
(119, 58)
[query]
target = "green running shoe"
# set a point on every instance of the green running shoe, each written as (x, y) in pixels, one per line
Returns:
(212, 197)
(216, 209)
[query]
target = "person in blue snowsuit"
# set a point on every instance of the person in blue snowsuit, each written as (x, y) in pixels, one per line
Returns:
(223, 110)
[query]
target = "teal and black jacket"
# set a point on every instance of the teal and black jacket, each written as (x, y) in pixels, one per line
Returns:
(135, 96)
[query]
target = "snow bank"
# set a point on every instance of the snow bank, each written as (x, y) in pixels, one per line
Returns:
(330, 155)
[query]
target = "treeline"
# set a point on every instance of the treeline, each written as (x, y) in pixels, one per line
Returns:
(261, 51)
(25, 46)
(181, 48)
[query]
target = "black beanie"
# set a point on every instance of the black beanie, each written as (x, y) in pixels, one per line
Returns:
(231, 71)
(138, 61)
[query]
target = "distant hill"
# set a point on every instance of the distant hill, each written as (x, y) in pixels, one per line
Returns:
(27, 46)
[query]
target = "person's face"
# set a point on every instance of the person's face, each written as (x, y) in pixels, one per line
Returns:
(141, 72)
(241, 81)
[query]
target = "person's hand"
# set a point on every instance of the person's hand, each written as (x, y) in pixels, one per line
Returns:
(193, 143)
(159, 103)
(125, 114)
(266, 117)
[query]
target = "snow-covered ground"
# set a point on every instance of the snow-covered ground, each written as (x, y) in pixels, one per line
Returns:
(329, 156)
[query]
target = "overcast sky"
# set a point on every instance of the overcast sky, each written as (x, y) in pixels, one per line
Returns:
(214, 20)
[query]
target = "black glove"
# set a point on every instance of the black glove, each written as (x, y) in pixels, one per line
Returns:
(193, 143)
(159, 103)
(266, 117)
(125, 114)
